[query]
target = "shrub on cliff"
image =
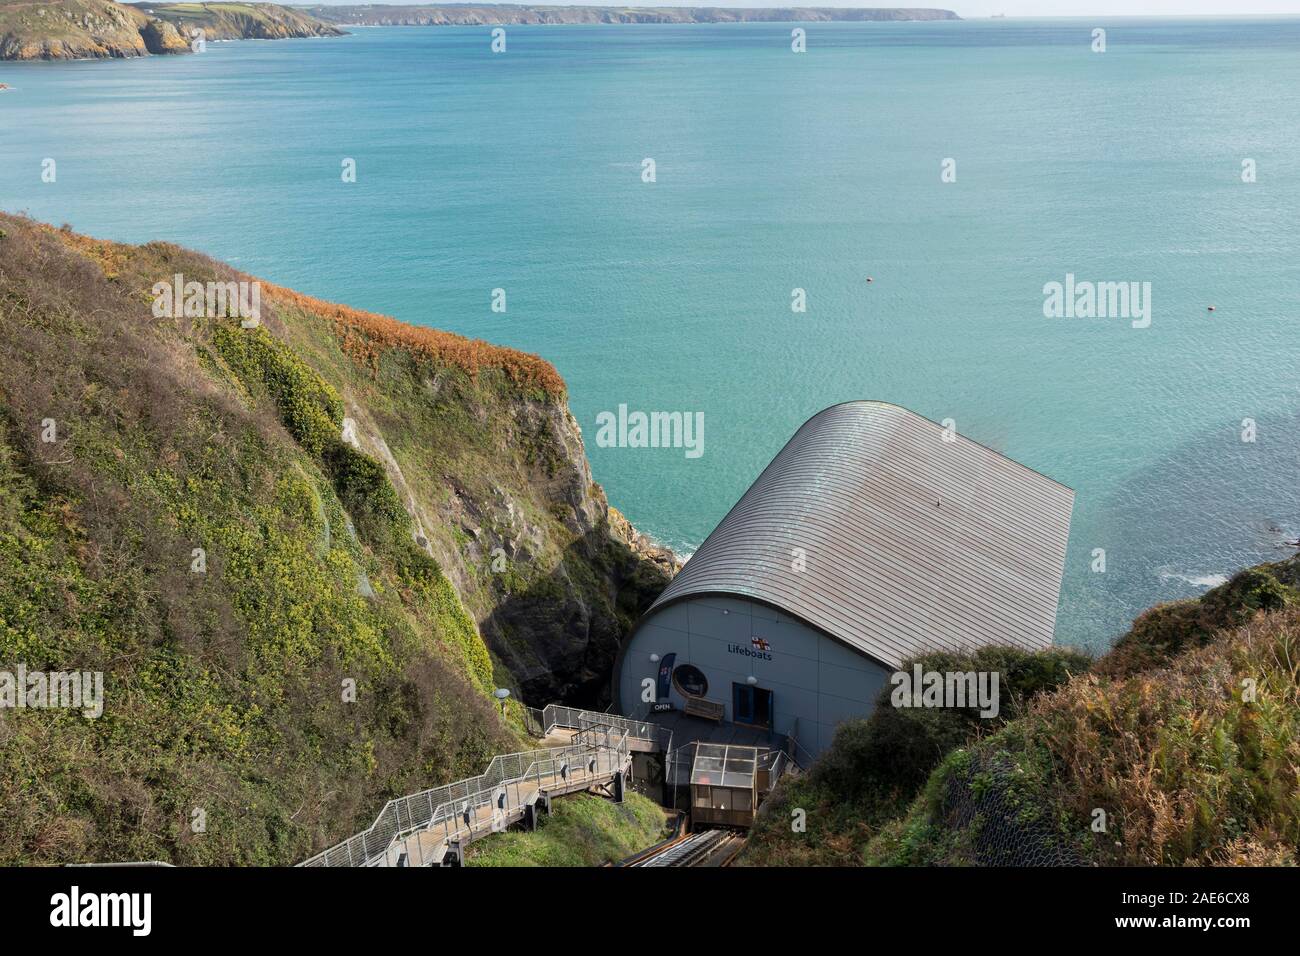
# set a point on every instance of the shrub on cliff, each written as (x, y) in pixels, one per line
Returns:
(1193, 763)
(1166, 630)
(179, 512)
(875, 767)
(1158, 734)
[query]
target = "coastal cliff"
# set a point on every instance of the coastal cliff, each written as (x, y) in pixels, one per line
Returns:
(302, 554)
(239, 21)
(102, 29)
(491, 14)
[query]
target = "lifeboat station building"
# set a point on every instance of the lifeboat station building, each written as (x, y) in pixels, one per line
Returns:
(874, 535)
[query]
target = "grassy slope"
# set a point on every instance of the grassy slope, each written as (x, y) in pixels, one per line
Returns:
(493, 466)
(1157, 734)
(877, 766)
(233, 21)
(90, 29)
(466, 14)
(69, 28)
(582, 830)
(224, 688)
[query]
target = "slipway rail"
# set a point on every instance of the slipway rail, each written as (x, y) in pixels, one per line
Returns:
(707, 848)
(431, 827)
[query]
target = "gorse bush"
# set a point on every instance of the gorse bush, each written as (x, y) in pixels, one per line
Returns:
(1180, 746)
(279, 656)
(1168, 629)
(312, 411)
(875, 767)
(894, 750)
(1193, 763)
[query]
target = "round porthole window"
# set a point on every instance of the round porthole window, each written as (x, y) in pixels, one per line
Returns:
(690, 680)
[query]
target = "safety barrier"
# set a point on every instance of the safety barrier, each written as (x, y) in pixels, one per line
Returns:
(602, 753)
(506, 781)
(436, 806)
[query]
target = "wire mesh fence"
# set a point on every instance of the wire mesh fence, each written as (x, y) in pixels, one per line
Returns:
(994, 823)
(602, 753)
(600, 746)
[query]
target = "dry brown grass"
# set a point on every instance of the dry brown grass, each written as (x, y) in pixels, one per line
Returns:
(1188, 767)
(364, 335)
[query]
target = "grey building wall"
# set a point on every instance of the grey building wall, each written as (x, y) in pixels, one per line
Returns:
(813, 678)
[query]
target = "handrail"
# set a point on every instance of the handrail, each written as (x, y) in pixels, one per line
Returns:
(559, 715)
(404, 815)
(597, 760)
(421, 810)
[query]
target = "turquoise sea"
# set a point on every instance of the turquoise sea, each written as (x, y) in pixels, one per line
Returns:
(775, 171)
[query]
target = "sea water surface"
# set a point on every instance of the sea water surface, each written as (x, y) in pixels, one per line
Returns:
(775, 171)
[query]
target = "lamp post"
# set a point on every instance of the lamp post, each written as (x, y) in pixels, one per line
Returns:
(501, 693)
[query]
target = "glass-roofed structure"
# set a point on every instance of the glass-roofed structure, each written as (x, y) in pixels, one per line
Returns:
(724, 785)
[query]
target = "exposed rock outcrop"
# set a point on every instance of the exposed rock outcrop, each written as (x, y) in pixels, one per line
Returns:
(507, 13)
(102, 29)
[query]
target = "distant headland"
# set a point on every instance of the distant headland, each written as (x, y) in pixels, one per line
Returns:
(507, 13)
(103, 29)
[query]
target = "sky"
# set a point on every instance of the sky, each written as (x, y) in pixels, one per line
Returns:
(964, 8)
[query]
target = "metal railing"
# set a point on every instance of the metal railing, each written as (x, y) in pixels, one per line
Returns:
(558, 715)
(429, 808)
(602, 753)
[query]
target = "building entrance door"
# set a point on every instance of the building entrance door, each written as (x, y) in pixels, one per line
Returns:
(751, 705)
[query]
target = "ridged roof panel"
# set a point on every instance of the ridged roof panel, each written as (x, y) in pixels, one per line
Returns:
(912, 543)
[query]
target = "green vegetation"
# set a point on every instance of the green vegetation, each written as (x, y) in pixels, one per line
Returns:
(582, 830)
(94, 29)
(236, 21)
(180, 510)
(876, 767)
(1181, 746)
(493, 467)
(1166, 630)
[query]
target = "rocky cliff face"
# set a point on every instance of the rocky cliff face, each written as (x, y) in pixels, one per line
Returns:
(69, 29)
(484, 14)
(489, 461)
(301, 554)
(101, 29)
(161, 37)
(239, 21)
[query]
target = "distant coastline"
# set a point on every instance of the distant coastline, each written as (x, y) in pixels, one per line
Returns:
(102, 29)
(523, 14)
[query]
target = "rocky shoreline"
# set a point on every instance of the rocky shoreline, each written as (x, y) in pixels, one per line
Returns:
(510, 14)
(103, 29)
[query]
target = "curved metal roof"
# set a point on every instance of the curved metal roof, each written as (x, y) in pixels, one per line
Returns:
(912, 543)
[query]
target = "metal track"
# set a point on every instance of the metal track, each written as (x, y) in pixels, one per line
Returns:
(695, 850)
